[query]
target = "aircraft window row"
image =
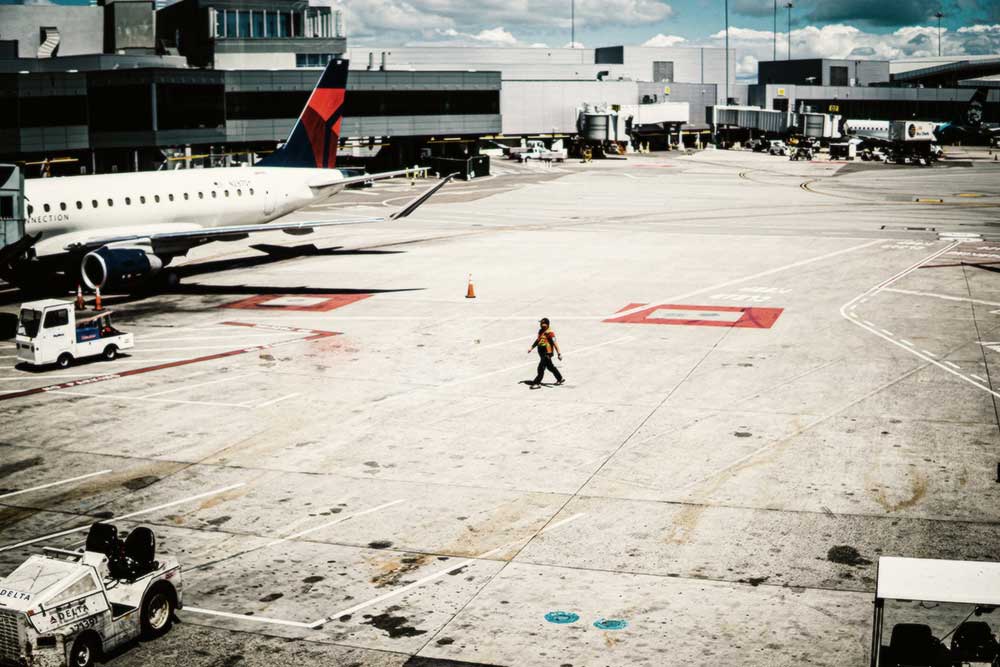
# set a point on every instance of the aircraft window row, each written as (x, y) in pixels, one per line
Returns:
(142, 200)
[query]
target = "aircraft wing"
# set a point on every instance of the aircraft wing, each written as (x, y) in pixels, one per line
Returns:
(179, 242)
(364, 178)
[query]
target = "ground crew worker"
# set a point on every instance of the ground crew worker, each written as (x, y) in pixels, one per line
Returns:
(546, 344)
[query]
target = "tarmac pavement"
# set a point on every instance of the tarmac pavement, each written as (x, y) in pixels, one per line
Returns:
(776, 372)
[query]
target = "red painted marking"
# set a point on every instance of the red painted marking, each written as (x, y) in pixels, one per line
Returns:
(330, 302)
(752, 318)
(314, 334)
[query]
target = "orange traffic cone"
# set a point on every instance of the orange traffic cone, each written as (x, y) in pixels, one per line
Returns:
(97, 299)
(80, 304)
(471, 292)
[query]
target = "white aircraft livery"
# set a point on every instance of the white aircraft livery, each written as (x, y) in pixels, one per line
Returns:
(116, 230)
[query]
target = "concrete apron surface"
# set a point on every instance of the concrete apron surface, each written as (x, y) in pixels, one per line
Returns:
(348, 457)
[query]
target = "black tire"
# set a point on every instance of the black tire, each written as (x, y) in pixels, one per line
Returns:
(84, 652)
(65, 360)
(110, 352)
(157, 611)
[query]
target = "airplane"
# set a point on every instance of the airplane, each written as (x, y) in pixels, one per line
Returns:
(972, 125)
(119, 231)
(973, 128)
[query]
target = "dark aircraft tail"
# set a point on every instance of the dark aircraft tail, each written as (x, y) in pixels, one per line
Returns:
(974, 114)
(313, 141)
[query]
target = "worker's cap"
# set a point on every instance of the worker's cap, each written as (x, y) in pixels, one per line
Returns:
(544, 320)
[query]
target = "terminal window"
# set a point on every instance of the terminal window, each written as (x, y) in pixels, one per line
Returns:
(838, 76)
(312, 59)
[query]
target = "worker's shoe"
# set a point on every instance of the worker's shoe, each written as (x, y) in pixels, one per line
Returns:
(534, 385)
(561, 381)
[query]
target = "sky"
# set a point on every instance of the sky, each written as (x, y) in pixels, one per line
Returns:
(820, 28)
(881, 29)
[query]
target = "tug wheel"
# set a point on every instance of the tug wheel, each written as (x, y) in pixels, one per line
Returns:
(84, 652)
(157, 612)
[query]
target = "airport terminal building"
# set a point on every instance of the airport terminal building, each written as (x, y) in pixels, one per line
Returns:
(123, 86)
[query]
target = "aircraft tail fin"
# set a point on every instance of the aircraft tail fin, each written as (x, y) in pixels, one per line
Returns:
(315, 135)
(974, 114)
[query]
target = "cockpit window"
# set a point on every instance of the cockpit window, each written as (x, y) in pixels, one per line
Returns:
(29, 322)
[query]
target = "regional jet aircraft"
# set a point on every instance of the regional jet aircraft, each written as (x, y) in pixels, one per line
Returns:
(969, 128)
(119, 230)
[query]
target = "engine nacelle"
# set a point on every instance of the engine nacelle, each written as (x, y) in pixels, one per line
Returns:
(114, 266)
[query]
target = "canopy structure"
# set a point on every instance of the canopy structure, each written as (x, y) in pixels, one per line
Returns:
(932, 580)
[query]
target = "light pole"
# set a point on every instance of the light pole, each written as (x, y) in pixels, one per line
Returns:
(774, 33)
(727, 52)
(939, 16)
(572, 24)
(789, 6)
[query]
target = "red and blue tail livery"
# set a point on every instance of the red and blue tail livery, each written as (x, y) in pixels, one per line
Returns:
(313, 141)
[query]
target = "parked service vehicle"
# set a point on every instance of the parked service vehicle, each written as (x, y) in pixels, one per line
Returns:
(67, 608)
(50, 331)
(778, 147)
(802, 152)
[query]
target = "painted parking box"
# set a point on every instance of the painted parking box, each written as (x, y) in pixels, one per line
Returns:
(742, 317)
(308, 302)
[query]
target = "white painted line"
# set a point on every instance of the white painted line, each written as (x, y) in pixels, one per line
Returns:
(905, 342)
(929, 353)
(479, 348)
(342, 519)
(200, 384)
(794, 265)
(975, 377)
(276, 400)
(51, 484)
(952, 364)
(854, 314)
(942, 296)
(871, 324)
(8, 356)
(122, 397)
(887, 332)
(531, 363)
(563, 522)
(79, 529)
(244, 617)
(926, 356)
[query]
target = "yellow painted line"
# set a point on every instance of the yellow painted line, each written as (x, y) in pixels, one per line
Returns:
(968, 194)
(929, 201)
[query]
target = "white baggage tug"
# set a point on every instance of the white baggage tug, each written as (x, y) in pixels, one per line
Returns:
(51, 332)
(67, 608)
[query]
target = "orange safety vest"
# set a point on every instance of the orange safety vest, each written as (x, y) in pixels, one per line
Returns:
(545, 339)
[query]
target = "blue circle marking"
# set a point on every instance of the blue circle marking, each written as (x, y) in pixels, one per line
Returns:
(610, 624)
(562, 617)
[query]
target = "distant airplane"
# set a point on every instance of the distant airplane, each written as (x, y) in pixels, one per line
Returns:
(972, 129)
(119, 230)
(969, 127)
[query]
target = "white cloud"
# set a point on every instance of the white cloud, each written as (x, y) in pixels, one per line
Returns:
(844, 41)
(401, 21)
(664, 40)
(496, 36)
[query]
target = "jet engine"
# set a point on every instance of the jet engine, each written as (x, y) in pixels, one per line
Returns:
(115, 266)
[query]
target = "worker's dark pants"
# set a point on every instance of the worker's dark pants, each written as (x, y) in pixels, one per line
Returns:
(545, 362)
